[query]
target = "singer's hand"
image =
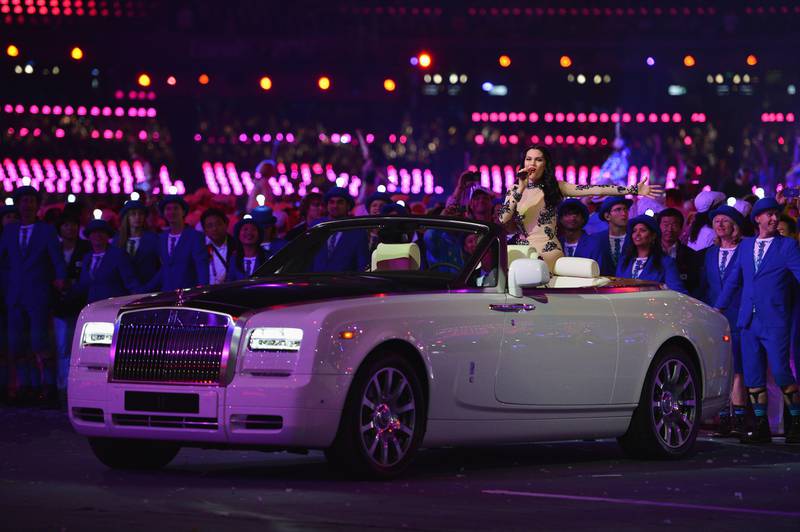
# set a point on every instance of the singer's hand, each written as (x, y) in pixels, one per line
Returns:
(650, 191)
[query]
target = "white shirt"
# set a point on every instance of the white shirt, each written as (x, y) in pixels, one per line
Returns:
(673, 251)
(705, 238)
(767, 243)
(249, 265)
(569, 249)
(23, 229)
(172, 243)
(638, 266)
(68, 254)
(725, 258)
(612, 239)
(97, 258)
(216, 266)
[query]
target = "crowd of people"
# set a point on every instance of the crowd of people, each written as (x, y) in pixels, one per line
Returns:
(737, 253)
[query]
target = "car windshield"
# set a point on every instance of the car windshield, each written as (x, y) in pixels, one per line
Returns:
(392, 245)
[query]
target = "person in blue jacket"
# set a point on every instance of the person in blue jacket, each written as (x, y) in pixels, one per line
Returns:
(31, 253)
(606, 246)
(727, 223)
(249, 255)
(572, 218)
(765, 270)
(137, 241)
(184, 259)
(271, 243)
(643, 258)
(343, 251)
(107, 270)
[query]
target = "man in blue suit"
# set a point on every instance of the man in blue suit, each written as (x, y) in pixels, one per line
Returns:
(606, 246)
(30, 250)
(107, 270)
(764, 270)
(572, 217)
(727, 223)
(140, 244)
(343, 251)
(184, 259)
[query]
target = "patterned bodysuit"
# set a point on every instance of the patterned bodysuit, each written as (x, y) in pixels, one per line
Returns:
(534, 223)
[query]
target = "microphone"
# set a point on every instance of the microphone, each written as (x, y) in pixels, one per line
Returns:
(522, 173)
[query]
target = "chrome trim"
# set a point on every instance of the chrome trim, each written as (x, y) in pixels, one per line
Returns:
(165, 422)
(515, 307)
(222, 379)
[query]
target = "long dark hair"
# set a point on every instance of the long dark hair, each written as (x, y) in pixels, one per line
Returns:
(700, 220)
(629, 252)
(552, 194)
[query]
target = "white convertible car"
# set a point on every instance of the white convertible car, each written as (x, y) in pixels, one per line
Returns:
(373, 337)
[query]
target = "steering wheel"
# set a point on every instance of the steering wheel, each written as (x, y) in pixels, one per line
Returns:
(455, 267)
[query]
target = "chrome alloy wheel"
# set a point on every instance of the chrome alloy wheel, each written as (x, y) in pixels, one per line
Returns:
(388, 417)
(674, 403)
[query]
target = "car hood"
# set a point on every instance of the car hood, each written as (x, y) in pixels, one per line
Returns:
(253, 294)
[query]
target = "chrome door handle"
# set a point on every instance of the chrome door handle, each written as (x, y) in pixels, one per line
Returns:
(517, 307)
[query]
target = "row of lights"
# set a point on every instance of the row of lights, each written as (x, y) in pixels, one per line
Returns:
(29, 69)
(75, 53)
(720, 79)
(580, 140)
(777, 117)
(581, 79)
(584, 117)
(67, 8)
(68, 110)
(438, 79)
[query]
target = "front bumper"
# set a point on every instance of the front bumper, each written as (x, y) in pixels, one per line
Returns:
(298, 411)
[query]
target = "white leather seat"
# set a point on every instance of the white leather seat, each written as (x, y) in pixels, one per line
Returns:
(396, 257)
(576, 272)
(521, 251)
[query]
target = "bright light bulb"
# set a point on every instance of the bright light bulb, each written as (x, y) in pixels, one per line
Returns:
(26, 181)
(173, 189)
(731, 201)
(437, 78)
(71, 198)
(135, 196)
(650, 213)
(10, 202)
(760, 193)
(381, 188)
(98, 214)
(247, 217)
(76, 54)
(401, 202)
(453, 78)
(28, 69)
(341, 181)
(261, 199)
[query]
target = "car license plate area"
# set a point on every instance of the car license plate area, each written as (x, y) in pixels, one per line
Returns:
(179, 403)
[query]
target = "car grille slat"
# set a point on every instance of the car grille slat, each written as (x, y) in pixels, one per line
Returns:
(170, 345)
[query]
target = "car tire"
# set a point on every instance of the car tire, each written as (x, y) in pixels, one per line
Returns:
(667, 419)
(383, 420)
(133, 454)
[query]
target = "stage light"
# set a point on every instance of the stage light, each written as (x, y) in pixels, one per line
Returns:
(71, 198)
(143, 80)
(791, 90)
(173, 190)
(504, 61)
(29, 69)
(389, 85)
(265, 83)
(752, 60)
(171, 81)
(736, 79)
(597, 79)
(17, 69)
(650, 60)
(565, 61)
(607, 78)
(427, 78)
(414, 61)
(719, 79)
(731, 201)
(12, 51)
(76, 53)
(746, 78)
(581, 79)
(453, 78)
(135, 196)
(437, 78)
(487, 86)
(689, 61)
(425, 60)
(462, 78)
(710, 78)
(324, 83)
(203, 79)
(570, 77)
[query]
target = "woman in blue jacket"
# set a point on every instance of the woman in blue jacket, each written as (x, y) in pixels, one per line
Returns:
(643, 258)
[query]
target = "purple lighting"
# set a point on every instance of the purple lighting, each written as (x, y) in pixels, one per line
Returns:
(650, 61)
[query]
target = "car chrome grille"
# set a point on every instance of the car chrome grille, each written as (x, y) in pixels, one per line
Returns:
(165, 422)
(171, 346)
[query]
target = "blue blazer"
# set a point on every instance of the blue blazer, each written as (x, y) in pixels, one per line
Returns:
(597, 247)
(113, 277)
(582, 241)
(711, 284)
(236, 269)
(146, 261)
(351, 254)
(31, 273)
(768, 291)
(667, 273)
(186, 267)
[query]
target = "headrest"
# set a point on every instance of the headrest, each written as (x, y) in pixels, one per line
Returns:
(396, 257)
(521, 251)
(577, 267)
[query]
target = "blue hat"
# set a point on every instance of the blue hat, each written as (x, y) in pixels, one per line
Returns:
(26, 190)
(98, 225)
(609, 202)
(252, 221)
(375, 196)
(394, 208)
(572, 204)
(263, 216)
(765, 204)
(339, 192)
(730, 212)
(132, 205)
(649, 221)
(173, 198)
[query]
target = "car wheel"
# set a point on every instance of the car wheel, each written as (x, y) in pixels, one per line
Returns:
(666, 422)
(383, 420)
(133, 454)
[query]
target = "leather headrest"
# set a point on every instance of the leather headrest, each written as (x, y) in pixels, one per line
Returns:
(577, 267)
(396, 257)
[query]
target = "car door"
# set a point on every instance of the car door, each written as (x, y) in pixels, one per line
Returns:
(559, 347)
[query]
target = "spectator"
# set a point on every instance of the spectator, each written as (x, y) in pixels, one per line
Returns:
(701, 235)
(643, 258)
(311, 210)
(250, 255)
(219, 246)
(140, 244)
(572, 218)
(670, 223)
(480, 205)
(107, 270)
(344, 251)
(270, 242)
(606, 246)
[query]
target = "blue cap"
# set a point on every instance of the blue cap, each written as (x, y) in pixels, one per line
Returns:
(728, 211)
(263, 216)
(173, 198)
(252, 221)
(649, 221)
(131, 205)
(609, 202)
(98, 225)
(572, 204)
(376, 196)
(26, 190)
(393, 208)
(339, 192)
(765, 204)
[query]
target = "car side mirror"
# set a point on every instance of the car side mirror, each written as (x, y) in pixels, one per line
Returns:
(526, 272)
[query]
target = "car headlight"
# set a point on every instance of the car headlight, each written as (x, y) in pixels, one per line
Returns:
(275, 339)
(97, 333)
